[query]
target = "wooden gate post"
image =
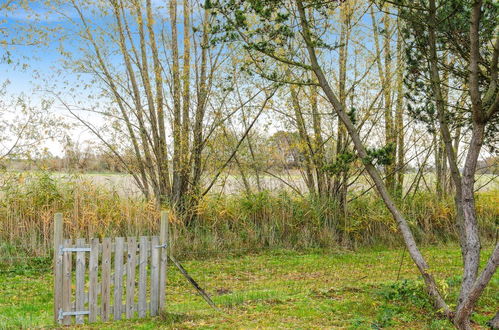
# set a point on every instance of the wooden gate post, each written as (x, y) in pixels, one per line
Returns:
(58, 237)
(163, 241)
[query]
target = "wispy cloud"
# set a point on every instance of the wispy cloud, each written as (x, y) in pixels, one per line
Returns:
(41, 15)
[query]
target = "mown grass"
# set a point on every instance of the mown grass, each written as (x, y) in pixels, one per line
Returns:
(276, 289)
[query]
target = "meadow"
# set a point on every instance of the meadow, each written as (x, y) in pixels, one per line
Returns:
(272, 259)
(334, 288)
(125, 186)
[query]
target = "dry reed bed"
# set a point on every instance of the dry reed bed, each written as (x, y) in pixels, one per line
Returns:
(235, 223)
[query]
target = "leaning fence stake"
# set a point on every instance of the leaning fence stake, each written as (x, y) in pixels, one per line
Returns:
(203, 294)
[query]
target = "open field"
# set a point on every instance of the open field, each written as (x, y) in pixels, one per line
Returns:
(277, 289)
(271, 259)
(291, 180)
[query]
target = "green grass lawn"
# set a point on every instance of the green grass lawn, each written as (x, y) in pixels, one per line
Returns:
(277, 289)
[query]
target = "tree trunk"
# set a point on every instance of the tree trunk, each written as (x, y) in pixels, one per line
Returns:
(399, 114)
(404, 228)
(318, 144)
(385, 76)
(465, 308)
(200, 107)
(162, 159)
(177, 111)
(340, 186)
(494, 323)
(186, 90)
(305, 143)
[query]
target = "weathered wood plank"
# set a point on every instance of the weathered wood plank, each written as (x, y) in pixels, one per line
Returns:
(143, 256)
(130, 277)
(118, 277)
(93, 292)
(106, 279)
(58, 260)
(163, 241)
(154, 275)
(80, 281)
(66, 283)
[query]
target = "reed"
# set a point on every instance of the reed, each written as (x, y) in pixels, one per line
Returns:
(224, 224)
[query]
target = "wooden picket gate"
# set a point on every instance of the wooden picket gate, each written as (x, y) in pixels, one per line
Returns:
(106, 294)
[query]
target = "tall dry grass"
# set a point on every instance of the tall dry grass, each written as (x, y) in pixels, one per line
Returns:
(234, 223)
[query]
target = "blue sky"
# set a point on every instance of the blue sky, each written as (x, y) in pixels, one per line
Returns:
(35, 68)
(44, 61)
(28, 63)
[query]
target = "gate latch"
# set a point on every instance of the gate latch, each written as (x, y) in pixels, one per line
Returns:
(63, 249)
(75, 313)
